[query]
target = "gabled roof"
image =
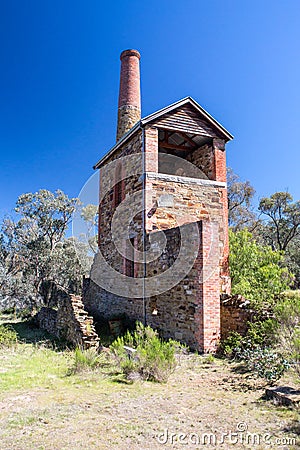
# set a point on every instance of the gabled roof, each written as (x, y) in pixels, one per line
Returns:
(192, 102)
(156, 115)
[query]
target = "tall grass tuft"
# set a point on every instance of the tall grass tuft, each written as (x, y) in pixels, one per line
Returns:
(84, 360)
(8, 336)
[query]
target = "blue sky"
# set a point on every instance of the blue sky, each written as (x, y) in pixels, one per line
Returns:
(59, 76)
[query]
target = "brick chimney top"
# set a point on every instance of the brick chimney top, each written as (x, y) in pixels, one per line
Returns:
(130, 53)
(129, 108)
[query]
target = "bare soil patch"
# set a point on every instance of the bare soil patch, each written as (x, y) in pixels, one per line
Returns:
(96, 410)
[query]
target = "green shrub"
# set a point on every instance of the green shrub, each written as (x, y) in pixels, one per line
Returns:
(259, 334)
(287, 311)
(257, 350)
(266, 362)
(256, 270)
(84, 360)
(232, 345)
(142, 354)
(262, 332)
(8, 336)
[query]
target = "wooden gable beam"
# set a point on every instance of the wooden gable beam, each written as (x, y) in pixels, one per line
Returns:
(188, 139)
(164, 144)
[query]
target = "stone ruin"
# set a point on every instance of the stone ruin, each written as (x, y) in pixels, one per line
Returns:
(69, 322)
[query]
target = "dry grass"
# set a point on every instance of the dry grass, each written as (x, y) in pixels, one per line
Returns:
(43, 408)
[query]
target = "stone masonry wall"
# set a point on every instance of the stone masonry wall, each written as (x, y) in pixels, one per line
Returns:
(70, 322)
(108, 207)
(203, 158)
(235, 315)
(104, 305)
(189, 310)
(46, 319)
(190, 201)
(173, 312)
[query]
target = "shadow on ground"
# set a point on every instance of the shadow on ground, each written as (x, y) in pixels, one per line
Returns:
(293, 427)
(29, 333)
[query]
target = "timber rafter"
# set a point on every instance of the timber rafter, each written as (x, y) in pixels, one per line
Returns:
(166, 143)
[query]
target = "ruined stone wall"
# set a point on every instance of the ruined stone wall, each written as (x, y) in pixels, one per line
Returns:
(189, 310)
(70, 322)
(74, 324)
(103, 305)
(46, 319)
(235, 315)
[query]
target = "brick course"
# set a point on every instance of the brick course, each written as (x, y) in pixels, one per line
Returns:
(129, 109)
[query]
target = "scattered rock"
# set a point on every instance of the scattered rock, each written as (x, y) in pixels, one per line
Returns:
(284, 395)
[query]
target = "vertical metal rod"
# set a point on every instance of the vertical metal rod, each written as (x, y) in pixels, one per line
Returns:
(144, 227)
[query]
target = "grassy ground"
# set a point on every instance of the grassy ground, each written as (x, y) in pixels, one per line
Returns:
(43, 407)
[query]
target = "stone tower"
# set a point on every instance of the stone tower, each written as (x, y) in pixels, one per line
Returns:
(163, 232)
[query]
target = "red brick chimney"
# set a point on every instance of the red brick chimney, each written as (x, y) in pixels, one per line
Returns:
(129, 109)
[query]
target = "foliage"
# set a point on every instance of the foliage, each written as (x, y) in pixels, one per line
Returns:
(35, 253)
(287, 311)
(266, 362)
(88, 359)
(142, 353)
(260, 333)
(8, 336)
(292, 260)
(284, 219)
(257, 350)
(256, 271)
(240, 195)
(89, 214)
(232, 345)
(46, 215)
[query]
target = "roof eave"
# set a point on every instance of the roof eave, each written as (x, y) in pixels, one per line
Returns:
(150, 118)
(182, 102)
(120, 142)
